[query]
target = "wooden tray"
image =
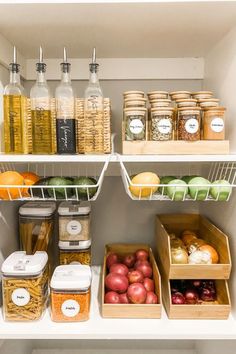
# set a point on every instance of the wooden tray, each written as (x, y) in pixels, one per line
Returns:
(177, 223)
(202, 147)
(131, 310)
(204, 311)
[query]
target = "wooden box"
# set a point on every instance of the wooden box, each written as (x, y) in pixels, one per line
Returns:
(201, 147)
(177, 223)
(204, 311)
(131, 310)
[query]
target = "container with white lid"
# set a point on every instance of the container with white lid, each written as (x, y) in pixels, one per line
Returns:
(25, 286)
(74, 221)
(75, 252)
(70, 293)
(36, 222)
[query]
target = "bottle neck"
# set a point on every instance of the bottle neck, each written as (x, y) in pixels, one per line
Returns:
(41, 78)
(14, 78)
(93, 79)
(65, 78)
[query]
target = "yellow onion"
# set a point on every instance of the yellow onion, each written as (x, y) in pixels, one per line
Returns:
(199, 257)
(195, 245)
(176, 242)
(179, 256)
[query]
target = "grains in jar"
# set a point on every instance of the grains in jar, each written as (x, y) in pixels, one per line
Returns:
(74, 221)
(70, 293)
(214, 123)
(135, 121)
(189, 123)
(162, 124)
(25, 286)
(75, 252)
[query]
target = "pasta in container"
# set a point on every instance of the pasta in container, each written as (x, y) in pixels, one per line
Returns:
(70, 293)
(75, 252)
(25, 286)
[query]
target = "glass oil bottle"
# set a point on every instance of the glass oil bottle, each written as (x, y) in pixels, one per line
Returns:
(93, 112)
(41, 111)
(15, 112)
(65, 111)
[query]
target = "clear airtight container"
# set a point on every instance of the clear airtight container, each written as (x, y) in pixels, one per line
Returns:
(74, 221)
(25, 286)
(76, 252)
(70, 293)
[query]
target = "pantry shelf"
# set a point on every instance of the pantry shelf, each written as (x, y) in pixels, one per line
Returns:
(100, 328)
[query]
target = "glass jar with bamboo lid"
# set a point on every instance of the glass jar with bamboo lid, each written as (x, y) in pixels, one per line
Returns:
(214, 123)
(189, 123)
(135, 123)
(162, 124)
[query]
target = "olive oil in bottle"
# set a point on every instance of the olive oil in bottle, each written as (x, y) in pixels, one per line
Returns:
(93, 112)
(41, 111)
(15, 113)
(65, 112)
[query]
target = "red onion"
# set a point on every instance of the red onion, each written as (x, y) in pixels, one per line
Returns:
(135, 277)
(142, 255)
(119, 268)
(197, 283)
(208, 294)
(112, 297)
(151, 298)
(112, 258)
(178, 298)
(129, 260)
(149, 284)
(137, 293)
(116, 282)
(191, 296)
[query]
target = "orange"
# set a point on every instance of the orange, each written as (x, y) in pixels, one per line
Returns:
(30, 178)
(11, 178)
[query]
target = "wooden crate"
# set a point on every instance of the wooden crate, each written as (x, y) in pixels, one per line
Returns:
(131, 310)
(202, 147)
(177, 223)
(204, 311)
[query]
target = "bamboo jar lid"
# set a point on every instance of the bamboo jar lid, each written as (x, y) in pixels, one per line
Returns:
(177, 95)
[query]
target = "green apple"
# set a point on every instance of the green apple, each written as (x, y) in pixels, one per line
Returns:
(165, 180)
(221, 193)
(178, 192)
(198, 192)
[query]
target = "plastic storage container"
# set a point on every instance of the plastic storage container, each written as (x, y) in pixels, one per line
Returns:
(189, 123)
(36, 221)
(162, 124)
(75, 252)
(214, 123)
(70, 293)
(25, 286)
(74, 221)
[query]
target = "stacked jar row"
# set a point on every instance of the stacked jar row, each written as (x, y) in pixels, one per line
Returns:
(186, 116)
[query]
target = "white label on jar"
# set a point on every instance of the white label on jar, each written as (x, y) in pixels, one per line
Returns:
(164, 126)
(70, 308)
(20, 297)
(136, 126)
(74, 227)
(192, 126)
(217, 125)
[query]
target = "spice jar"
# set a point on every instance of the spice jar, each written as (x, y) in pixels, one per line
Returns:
(162, 124)
(154, 95)
(75, 252)
(36, 220)
(74, 221)
(70, 293)
(201, 95)
(137, 102)
(135, 123)
(133, 94)
(189, 123)
(177, 95)
(25, 286)
(214, 123)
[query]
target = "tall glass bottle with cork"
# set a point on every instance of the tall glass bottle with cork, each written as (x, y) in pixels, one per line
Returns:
(65, 111)
(41, 111)
(15, 110)
(93, 112)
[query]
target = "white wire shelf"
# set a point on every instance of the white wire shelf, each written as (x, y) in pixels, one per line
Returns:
(212, 172)
(44, 191)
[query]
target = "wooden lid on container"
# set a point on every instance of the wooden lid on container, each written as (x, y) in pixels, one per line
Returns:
(186, 100)
(162, 109)
(133, 93)
(157, 93)
(202, 93)
(189, 109)
(180, 92)
(214, 109)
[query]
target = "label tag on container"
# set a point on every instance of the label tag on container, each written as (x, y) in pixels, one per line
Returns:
(217, 125)
(74, 227)
(70, 308)
(20, 297)
(136, 126)
(164, 126)
(192, 126)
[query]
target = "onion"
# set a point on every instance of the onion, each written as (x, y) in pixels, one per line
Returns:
(112, 297)
(119, 268)
(179, 256)
(129, 260)
(149, 284)
(145, 268)
(142, 255)
(191, 296)
(178, 298)
(208, 294)
(199, 257)
(136, 276)
(197, 283)
(151, 298)
(124, 298)
(137, 293)
(116, 282)
(112, 258)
